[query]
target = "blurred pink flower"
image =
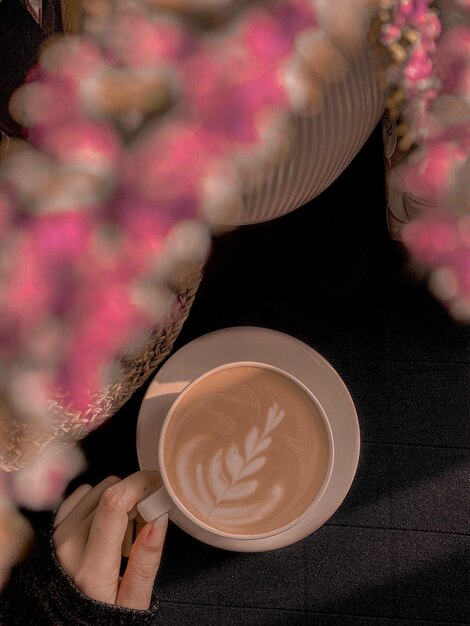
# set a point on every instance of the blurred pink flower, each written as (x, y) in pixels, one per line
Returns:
(430, 177)
(41, 484)
(441, 242)
(139, 43)
(94, 146)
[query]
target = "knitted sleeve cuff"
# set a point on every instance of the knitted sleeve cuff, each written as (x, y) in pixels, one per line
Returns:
(41, 592)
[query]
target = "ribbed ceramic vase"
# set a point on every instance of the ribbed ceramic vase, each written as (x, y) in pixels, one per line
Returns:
(322, 145)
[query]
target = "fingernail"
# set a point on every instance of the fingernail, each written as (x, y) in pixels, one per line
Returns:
(160, 521)
(157, 532)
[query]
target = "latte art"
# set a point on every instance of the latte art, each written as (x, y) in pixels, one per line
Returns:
(231, 476)
(246, 451)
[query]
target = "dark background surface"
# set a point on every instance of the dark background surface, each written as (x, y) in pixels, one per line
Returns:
(20, 40)
(396, 551)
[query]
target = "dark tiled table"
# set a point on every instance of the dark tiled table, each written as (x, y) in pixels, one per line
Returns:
(396, 552)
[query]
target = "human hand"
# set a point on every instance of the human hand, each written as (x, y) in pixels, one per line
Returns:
(94, 527)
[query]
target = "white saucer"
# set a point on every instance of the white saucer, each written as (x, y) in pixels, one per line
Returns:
(287, 353)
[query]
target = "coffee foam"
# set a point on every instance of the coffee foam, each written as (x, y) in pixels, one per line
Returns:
(246, 451)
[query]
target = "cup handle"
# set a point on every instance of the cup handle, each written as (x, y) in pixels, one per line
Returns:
(155, 505)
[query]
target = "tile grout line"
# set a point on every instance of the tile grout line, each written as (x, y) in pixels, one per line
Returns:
(308, 612)
(414, 445)
(393, 360)
(397, 529)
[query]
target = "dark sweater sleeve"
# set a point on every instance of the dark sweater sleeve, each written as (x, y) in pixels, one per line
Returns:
(40, 592)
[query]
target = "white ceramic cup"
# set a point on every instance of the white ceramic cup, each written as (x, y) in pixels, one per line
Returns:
(165, 500)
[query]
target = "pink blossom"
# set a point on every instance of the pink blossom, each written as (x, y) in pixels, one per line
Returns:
(431, 240)
(429, 25)
(419, 67)
(431, 177)
(42, 484)
(390, 34)
(453, 56)
(138, 43)
(168, 162)
(28, 291)
(61, 237)
(436, 242)
(92, 145)
(72, 59)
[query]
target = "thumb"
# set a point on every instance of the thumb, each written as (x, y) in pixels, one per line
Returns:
(135, 590)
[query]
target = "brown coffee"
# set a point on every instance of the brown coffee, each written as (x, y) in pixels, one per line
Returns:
(246, 450)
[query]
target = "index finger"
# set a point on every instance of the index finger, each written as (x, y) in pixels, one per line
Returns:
(103, 549)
